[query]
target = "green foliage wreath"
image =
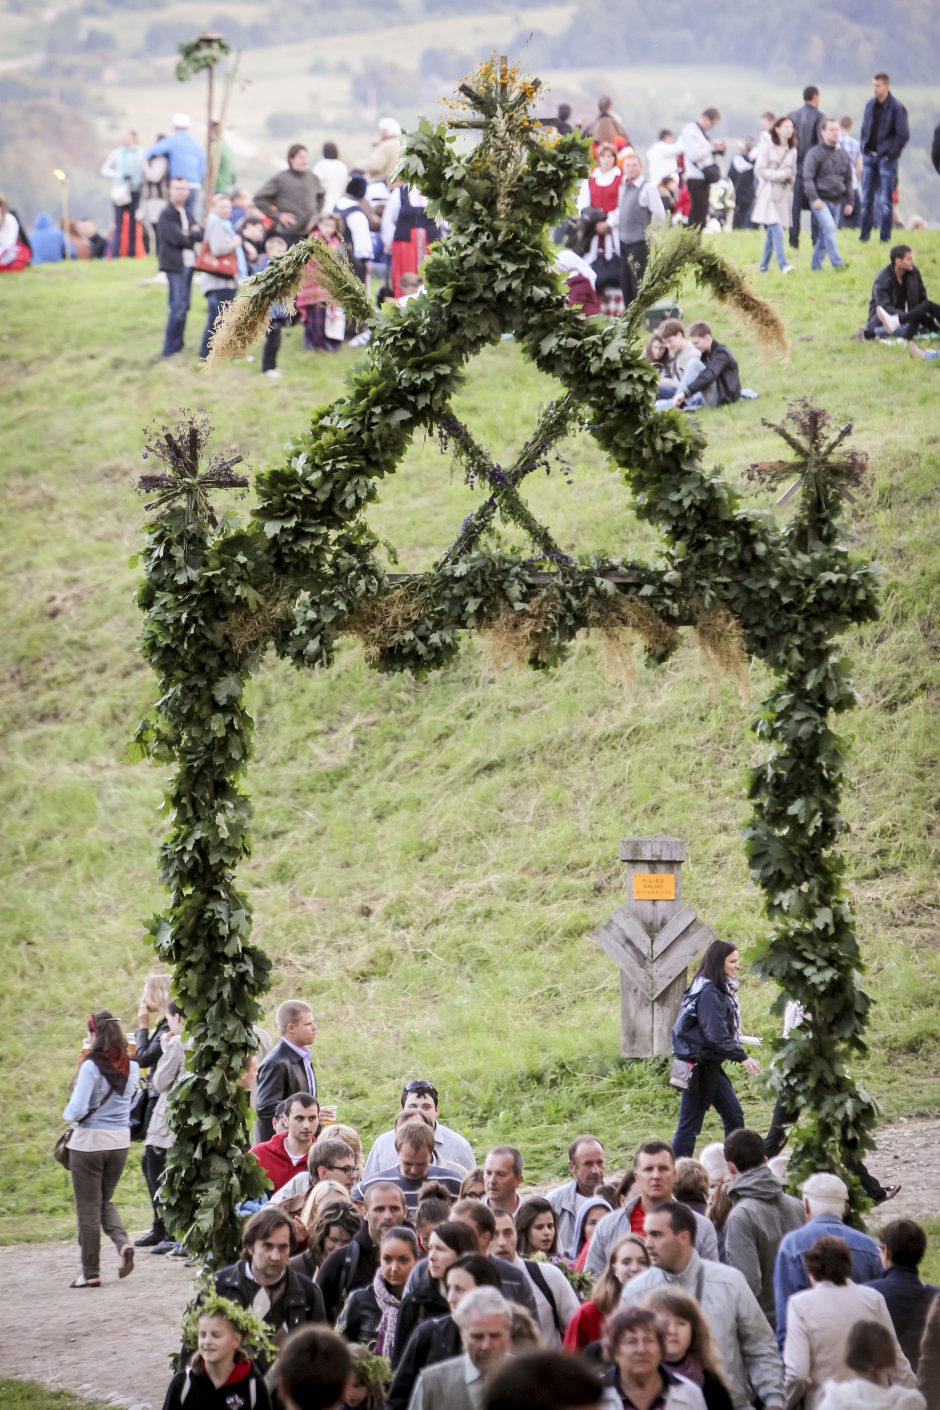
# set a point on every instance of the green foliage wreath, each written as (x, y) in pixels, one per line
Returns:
(305, 569)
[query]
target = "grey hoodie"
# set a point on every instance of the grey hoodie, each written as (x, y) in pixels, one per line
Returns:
(760, 1216)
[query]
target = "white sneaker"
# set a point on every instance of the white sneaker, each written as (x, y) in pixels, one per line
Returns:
(890, 320)
(787, 269)
(271, 372)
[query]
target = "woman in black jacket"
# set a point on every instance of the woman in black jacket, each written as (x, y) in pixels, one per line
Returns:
(370, 1315)
(706, 1034)
(153, 1005)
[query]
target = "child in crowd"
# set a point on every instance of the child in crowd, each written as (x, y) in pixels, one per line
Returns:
(411, 286)
(324, 322)
(367, 1382)
(221, 1376)
(274, 245)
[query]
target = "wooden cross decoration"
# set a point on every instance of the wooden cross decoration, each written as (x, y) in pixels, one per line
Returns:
(652, 939)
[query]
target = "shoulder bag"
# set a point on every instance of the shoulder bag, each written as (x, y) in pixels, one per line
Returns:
(60, 1151)
(223, 266)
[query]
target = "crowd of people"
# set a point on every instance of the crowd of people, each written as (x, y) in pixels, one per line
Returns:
(414, 1278)
(802, 161)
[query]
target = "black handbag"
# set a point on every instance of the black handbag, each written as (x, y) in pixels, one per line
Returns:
(711, 173)
(142, 1104)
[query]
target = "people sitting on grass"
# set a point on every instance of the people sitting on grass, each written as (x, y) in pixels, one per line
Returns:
(709, 378)
(899, 304)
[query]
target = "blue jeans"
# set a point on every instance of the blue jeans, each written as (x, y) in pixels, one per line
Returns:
(773, 244)
(827, 218)
(667, 390)
(179, 284)
(879, 178)
(216, 299)
(709, 1087)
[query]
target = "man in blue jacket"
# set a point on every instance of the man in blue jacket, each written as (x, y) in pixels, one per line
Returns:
(826, 1201)
(185, 159)
(884, 135)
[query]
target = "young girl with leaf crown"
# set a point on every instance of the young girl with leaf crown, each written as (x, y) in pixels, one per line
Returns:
(221, 1374)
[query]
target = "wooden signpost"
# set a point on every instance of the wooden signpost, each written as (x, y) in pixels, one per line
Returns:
(652, 939)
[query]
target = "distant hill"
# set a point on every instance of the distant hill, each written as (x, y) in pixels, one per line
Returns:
(73, 74)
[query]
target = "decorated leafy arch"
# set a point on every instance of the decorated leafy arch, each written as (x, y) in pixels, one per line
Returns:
(304, 569)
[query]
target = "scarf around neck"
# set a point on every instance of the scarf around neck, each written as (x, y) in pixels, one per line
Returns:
(114, 1066)
(390, 1306)
(690, 1366)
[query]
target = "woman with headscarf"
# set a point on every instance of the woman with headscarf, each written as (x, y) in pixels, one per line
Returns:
(99, 1108)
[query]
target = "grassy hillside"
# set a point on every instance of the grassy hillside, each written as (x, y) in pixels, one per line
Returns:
(429, 857)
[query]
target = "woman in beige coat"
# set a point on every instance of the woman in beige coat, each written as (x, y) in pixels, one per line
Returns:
(774, 172)
(819, 1322)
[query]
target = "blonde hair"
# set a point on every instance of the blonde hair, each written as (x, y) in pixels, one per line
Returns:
(157, 991)
(349, 1137)
(324, 1193)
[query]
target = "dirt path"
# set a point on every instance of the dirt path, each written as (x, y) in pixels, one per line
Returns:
(113, 1344)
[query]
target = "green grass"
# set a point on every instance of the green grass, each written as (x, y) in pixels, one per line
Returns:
(32, 1395)
(429, 857)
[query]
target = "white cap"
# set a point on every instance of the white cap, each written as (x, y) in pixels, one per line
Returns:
(181, 120)
(828, 1189)
(389, 127)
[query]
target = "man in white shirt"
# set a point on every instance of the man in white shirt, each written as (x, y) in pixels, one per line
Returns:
(555, 1298)
(450, 1147)
(661, 157)
(700, 150)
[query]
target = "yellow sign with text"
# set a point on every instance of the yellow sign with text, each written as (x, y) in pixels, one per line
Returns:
(654, 886)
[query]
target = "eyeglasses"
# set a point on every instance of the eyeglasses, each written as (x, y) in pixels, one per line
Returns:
(346, 1169)
(419, 1087)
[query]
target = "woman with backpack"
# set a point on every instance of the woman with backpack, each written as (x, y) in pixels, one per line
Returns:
(706, 1035)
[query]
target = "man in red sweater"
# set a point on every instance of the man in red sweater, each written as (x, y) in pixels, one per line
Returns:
(283, 1156)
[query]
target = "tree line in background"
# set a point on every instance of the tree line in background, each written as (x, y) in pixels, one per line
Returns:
(50, 112)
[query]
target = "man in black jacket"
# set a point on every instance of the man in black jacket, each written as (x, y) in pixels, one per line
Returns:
(346, 1269)
(903, 1245)
(884, 135)
(807, 122)
(899, 303)
(176, 236)
(720, 383)
(288, 1067)
(264, 1282)
(827, 181)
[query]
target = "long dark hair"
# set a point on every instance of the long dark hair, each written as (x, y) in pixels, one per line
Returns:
(713, 964)
(526, 1217)
(775, 132)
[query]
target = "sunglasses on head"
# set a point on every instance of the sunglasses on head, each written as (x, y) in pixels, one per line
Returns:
(419, 1087)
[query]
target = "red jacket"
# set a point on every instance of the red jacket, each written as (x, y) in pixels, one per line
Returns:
(275, 1161)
